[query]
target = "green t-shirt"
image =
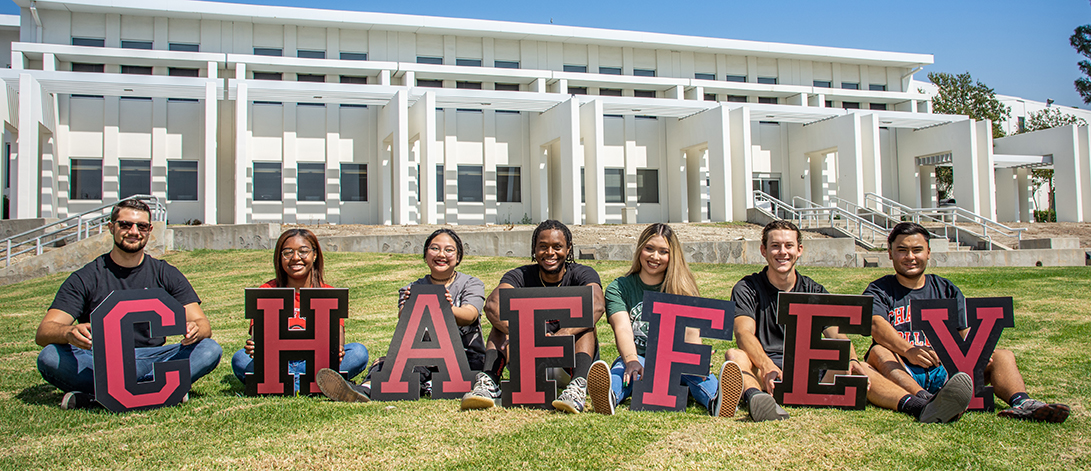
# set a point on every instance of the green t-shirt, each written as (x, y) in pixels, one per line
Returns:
(627, 294)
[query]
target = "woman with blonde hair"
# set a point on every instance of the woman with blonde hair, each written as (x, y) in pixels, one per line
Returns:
(658, 265)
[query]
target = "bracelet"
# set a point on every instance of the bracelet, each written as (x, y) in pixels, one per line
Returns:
(857, 360)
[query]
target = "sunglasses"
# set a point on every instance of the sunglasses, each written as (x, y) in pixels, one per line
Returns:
(140, 226)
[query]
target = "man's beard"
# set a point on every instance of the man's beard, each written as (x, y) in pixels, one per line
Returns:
(129, 249)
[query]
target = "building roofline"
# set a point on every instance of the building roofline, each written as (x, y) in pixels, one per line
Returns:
(9, 21)
(496, 29)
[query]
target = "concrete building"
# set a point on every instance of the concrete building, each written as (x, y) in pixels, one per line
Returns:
(243, 113)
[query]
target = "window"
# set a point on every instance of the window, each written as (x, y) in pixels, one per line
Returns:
(183, 72)
(93, 42)
(610, 70)
(647, 185)
(710, 97)
(183, 100)
(583, 185)
(429, 60)
(268, 51)
(850, 86)
(850, 105)
(353, 182)
(470, 184)
(310, 78)
(644, 93)
(829, 103)
(768, 184)
(85, 180)
(125, 44)
(311, 104)
(136, 70)
(610, 91)
(430, 83)
(82, 67)
(1022, 124)
(735, 78)
(507, 87)
(135, 98)
(468, 85)
(182, 180)
(506, 64)
(704, 76)
(823, 83)
(615, 185)
(876, 87)
(767, 80)
(310, 54)
(772, 100)
(440, 183)
(877, 106)
(508, 185)
(468, 62)
(577, 90)
(267, 185)
(185, 47)
(353, 56)
(644, 72)
(353, 79)
(275, 103)
(267, 76)
(736, 98)
(135, 178)
(575, 68)
(311, 181)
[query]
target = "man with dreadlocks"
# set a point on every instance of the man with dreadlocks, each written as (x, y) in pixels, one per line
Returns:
(551, 251)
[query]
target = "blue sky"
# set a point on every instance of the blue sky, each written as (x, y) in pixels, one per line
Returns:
(1018, 48)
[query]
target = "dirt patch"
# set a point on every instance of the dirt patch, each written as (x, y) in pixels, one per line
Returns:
(1049, 230)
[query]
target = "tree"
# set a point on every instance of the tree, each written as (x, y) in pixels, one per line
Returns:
(960, 94)
(1081, 40)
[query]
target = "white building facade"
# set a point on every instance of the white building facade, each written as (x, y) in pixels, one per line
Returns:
(242, 113)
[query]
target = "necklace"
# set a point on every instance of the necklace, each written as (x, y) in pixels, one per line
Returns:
(544, 281)
(445, 280)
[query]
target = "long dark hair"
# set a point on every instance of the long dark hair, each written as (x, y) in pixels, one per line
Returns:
(452, 235)
(317, 280)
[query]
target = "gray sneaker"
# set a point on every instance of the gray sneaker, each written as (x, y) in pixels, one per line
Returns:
(599, 387)
(727, 396)
(950, 401)
(485, 394)
(763, 407)
(572, 398)
(337, 388)
(1037, 411)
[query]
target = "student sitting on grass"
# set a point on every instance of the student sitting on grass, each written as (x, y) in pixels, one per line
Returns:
(298, 263)
(658, 265)
(442, 254)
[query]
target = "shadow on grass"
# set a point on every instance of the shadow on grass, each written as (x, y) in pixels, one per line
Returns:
(40, 395)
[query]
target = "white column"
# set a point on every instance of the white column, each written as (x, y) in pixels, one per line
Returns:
(966, 170)
(1007, 195)
(333, 163)
(159, 148)
(741, 165)
(675, 167)
(209, 161)
(569, 125)
(289, 181)
(488, 164)
(242, 149)
(399, 157)
(719, 165)
(24, 165)
(594, 171)
(110, 163)
(423, 122)
(1022, 186)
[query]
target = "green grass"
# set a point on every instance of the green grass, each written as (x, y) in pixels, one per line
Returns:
(220, 428)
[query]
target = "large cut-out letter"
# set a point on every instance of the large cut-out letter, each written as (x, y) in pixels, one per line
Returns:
(426, 311)
(527, 311)
(986, 317)
(669, 356)
(114, 350)
(806, 353)
(278, 339)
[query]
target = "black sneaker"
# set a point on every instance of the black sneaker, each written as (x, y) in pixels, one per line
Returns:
(486, 394)
(337, 388)
(950, 401)
(77, 400)
(763, 407)
(1037, 411)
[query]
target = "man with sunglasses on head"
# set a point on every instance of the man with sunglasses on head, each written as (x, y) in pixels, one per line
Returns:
(65, 332)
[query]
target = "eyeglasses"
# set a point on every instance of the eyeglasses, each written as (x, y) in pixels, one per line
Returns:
(304, 253)
(128, 225)
(435, 249)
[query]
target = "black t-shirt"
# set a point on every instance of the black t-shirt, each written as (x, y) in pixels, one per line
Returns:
(575, 274)
(87, 287)
(892, 302)
(756, 298)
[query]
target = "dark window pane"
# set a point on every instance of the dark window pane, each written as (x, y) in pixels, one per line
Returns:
(470, 184)
(440, 183)
(468, 85)
(644, 72)
(182, 72)
(185, 47)
(267, 76)
(850, 105)
(823, 83)
(268, 51)
(767, 80)
(876, 87)
(610, 70)
(850, 86)
(735, 78)
(430, 83)
(135, 178)
(506, 64)
(615, 185)
(267, 186)
(647, 185)
(508, 185)
(81, 67)
(703, 76)
(310, 78)
(353, 182)
(577, 90)
(736, 98)
(767, 99)
(182, 180)
(311, 182)
(307, 54)
(354, 56)
(610, 91)
(93, 42)
(877, 106)
(509, 87)
(468, 62)
(429, 60)
(644, 93)
(136, 70)
(353, 79)
(710, 97)
(136, 44)
(85, 179)
(575, 68)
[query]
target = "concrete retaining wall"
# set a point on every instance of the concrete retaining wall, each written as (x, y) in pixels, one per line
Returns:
(487, 244)
(73, 256)
(994, 258)
(225, 236)
(817, 252)
(10, 227)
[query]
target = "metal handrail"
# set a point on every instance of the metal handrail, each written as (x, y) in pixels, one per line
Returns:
(83, 223)
(942, 215)
(853, 224)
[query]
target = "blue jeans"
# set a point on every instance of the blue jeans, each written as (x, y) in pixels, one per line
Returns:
(702, 388)
(71, 368)
(354, 362)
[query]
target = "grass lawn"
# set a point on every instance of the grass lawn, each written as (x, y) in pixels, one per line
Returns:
(220, 428)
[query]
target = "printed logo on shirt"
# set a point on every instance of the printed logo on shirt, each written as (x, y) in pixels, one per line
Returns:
(640, 327)
(899, 317)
